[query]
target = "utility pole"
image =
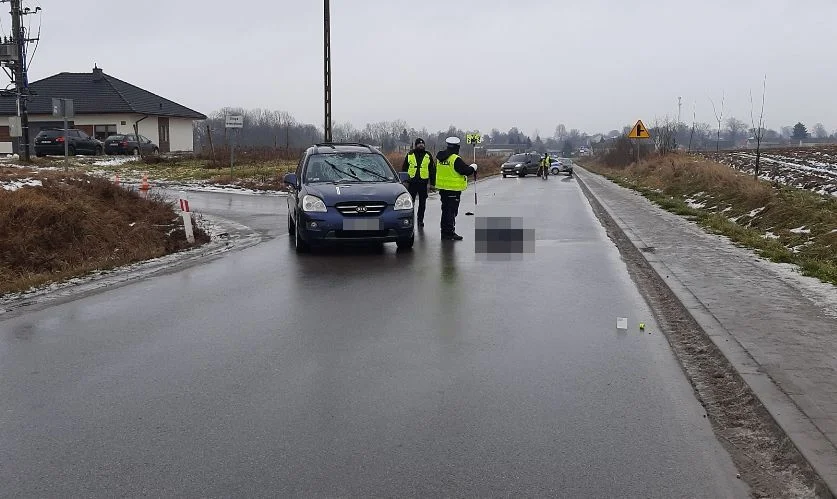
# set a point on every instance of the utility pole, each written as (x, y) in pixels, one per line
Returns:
(19, 66)
(679, 106)
(20, 78)
(327, 61)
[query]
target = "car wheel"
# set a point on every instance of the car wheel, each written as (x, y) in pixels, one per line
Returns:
(39, 154)
(521, 174)
(554, 171)
(406, 244)
(155, 152)
(291, 226)
(71, 151)
(135, 152)
(99, 151)
(299, 244)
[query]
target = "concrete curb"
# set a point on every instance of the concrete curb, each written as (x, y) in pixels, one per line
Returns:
(808, 439)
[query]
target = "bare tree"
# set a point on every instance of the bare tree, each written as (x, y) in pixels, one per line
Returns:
(758, 131)
(736, 129)
(665, 136)
(720, 119)
(820, 132)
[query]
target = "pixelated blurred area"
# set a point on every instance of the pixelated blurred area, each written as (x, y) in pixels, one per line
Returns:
(503, 238)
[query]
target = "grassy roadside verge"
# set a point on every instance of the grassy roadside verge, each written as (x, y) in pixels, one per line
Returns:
(257, 173)
(782, 224)
(71, 225)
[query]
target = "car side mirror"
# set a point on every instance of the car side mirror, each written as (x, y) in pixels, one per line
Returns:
(404, 176)
(290, 180)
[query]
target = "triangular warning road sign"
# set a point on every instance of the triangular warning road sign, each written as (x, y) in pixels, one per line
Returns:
(639, 131)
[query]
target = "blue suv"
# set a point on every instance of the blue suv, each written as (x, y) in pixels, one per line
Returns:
(348, 193)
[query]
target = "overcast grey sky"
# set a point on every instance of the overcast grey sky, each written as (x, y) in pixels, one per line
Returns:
(595, 65)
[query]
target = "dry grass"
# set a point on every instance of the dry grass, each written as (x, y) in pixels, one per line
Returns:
(77, 224)
(783, 224)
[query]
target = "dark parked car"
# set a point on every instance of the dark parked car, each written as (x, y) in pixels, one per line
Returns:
(348, 193)
(128, 144)
(50, 141)
(522, 165)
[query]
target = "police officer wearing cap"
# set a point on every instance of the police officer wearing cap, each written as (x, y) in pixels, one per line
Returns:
(421, 167)
(450, 180)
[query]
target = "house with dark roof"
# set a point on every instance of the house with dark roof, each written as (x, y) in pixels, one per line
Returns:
(103, 106)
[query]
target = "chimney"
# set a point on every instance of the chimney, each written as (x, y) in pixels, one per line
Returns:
(97, 73)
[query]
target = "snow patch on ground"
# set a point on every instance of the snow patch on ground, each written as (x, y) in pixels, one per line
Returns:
(694, 204)
(824, 295)
(13, 185)
(116, 161)
(770, 235)
(801, 230)
(755, 212)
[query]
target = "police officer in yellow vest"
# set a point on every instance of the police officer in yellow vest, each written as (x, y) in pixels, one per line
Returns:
(420, 166)
(451, 179)
(545, 163)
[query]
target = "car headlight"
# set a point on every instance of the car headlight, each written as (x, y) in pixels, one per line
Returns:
(313, 204)
(404, 202)
(518, 165)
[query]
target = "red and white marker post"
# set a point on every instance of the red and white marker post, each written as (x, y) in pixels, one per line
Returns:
(187, 219)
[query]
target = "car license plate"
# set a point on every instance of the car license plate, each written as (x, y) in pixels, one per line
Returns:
(362, 224)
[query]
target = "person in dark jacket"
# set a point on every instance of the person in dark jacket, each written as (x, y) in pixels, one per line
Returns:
(421, 167)
(451, 179)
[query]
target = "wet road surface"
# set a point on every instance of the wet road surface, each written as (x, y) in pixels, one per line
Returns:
(358, 372)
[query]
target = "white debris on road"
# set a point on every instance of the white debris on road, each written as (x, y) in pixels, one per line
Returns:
(13, 185)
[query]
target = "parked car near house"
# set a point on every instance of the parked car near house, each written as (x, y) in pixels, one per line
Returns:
(50, 141)
(128, 144)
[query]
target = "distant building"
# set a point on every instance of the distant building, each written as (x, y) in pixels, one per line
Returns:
(103, 106)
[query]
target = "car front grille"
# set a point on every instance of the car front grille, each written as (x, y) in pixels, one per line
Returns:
(360, 234)
(361, 208)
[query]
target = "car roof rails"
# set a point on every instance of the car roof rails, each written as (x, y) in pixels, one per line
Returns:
(333, 144)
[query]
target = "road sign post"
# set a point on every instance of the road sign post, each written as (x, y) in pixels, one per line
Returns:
(638, 132)
(474, 138)
(234, 123)
(63, 108)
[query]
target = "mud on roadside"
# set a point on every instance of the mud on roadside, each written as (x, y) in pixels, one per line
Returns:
(766, 458)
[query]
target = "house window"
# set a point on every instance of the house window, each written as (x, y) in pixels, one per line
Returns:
(102, 132)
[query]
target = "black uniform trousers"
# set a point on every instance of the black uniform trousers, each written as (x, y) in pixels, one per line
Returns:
(450, 209)
(418, 188)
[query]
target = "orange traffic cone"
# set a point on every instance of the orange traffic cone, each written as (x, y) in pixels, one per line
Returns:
(144, 187)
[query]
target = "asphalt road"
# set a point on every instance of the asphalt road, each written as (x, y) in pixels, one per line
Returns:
(361, 373)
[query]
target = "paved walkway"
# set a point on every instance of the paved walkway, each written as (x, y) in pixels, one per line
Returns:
(784, 325)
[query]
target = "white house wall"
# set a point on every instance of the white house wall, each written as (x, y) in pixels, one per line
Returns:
(180, 134)
(180, 129)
